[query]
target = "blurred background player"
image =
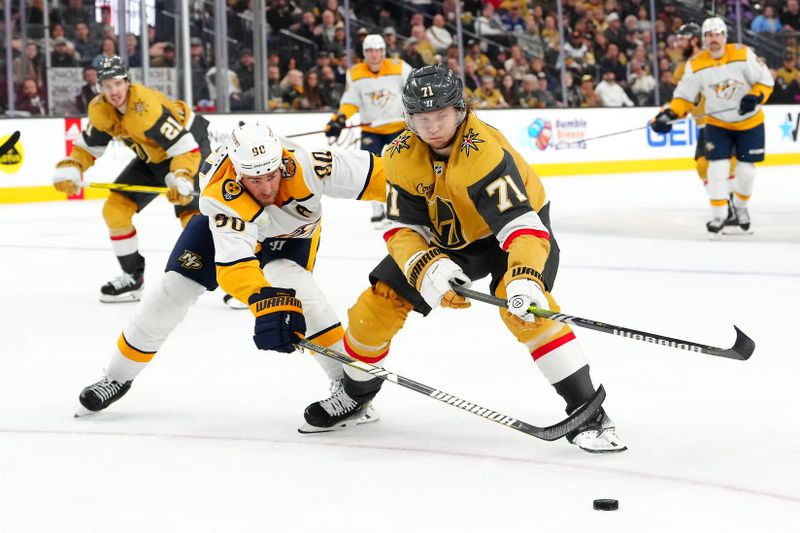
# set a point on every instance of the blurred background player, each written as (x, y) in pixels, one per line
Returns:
(463, 205)
(169, 141)
(257, 237)
(735, 83)
(690, 39)
(373, 89)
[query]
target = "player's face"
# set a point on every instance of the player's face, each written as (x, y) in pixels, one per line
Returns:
(374, 57)
(715, 41)
(437, 128)
(263, 188)
(116, 91)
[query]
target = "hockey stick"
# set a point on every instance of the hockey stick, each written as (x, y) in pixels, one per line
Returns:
(578, 141)
(550, 433)
(10, 142)
(323, 131)
(742, 349)
(130, 187)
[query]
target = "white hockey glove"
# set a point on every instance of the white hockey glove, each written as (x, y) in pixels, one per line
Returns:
(180, 188)
(522, 293)
(431, 272)
(67, 176)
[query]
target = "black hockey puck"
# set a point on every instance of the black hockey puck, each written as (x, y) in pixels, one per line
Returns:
(605, 504)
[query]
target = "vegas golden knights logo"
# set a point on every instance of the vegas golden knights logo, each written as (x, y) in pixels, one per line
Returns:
(447, 226)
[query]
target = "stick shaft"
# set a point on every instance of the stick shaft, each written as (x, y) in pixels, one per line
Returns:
(131, 187)
(550, 433)
(323, 131)
(742, 349)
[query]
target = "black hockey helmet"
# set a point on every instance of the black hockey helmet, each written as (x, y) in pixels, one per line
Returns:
(111, 67)
(690, 29)
(431, 88)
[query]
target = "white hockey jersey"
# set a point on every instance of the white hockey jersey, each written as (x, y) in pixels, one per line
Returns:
(239, 223)
(724, 82)
(377, 96)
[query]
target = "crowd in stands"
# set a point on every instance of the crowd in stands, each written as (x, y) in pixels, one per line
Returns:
(511, 49)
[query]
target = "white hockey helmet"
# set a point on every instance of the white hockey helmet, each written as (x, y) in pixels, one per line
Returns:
(254, 149)
(714, 25)
(373, 42)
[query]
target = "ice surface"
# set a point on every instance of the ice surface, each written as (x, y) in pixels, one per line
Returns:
(206, 440)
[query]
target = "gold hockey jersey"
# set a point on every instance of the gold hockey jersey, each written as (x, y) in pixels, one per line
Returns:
(239, 223)
(153, 126)
(484, 189)
(723, 82)
(377, 96)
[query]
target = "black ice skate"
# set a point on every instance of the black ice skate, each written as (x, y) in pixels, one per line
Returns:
(597, 435)
(124, 288)
(100, 395)
(742, 218)
(378, 219)
(715, 225)
(340, 410)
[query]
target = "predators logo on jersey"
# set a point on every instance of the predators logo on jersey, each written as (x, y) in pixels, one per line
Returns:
(380, 99)
(231, 190)
(191, 260)
(289, 167)
(470, 141)
(727, 89)
(399, 142)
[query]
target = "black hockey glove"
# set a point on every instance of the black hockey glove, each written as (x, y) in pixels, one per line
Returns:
(661, 124)
(335, 126)
(279, 319)
(749, 102)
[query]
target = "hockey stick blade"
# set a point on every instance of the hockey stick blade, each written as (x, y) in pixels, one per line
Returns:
(550, 433)
(9, 143)
(741, 350)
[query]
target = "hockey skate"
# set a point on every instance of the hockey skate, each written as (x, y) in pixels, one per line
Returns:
(597, 435)
(124, 288)
(741, 222)
(100, 395)
(714, 227)
(337, 412)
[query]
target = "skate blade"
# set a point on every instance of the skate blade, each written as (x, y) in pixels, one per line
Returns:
(369, 416)
(81, 412)
(736, 231)
(133, 296)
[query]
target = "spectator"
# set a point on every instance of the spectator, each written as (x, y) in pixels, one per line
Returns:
(576, 53)
(614, 33)
(588, 98)
(508, 90)
(490, 25)
(528, 92)
(487, 96)
(245, 70)
(167, 57)
(471, 78)
(642, 84)
(30, 99)
(292, 89)
(134, 54)
(393, 48)
(61, 57)
(234, 91)
(309, 29)
(313, 96)
(85, 47)
(330, 89)
(88, 90)
(667, 86)
(766, 22)
(790, 16)
(424, 45)
(481, 61)
(788, 70)
(513, 21)
(56, 33)
(438, 35)
(99, 29)
(611, 93)
(274, 91)
(550, 33)
(76, 13)
(385, 19)
(107, 49)
(327, 29)
(411, 55)
(517, 65)
(199, 68)
(543, 95)
(29, 65)
(530, 40)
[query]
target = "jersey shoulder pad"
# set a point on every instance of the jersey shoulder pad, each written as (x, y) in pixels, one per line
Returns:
(360, 71)
(736, 52)
(702, 61)
(293, 179)
(404, 157)
(145, 105)
(478, 149)
(391, 67)
(226, 191)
